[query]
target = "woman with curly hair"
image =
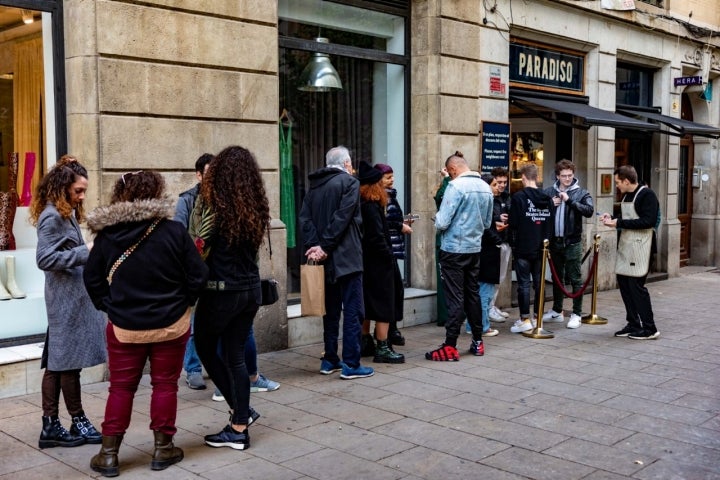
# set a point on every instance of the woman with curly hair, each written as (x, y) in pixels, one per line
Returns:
(378, 266)
(229, 223)
(75, 336)
(145, 272)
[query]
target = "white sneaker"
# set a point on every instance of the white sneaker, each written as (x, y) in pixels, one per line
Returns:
(575, 321)
(522, 325)
(491, 333)
(553, 316)
(504, 314)
(496, 315)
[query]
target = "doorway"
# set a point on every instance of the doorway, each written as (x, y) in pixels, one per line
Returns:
(685, 196)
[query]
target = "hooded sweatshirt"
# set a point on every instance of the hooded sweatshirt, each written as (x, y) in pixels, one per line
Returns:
(530, 221)
(153, 287)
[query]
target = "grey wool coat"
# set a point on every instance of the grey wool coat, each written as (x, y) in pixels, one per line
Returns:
(76, 330)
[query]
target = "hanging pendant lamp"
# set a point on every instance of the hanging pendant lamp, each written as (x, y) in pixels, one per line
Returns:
(319, 75)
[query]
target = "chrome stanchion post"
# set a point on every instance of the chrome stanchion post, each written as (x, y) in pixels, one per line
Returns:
(539, 331)
(593, 318)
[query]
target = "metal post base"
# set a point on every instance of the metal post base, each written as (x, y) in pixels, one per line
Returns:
(538, 332)
(594, 320)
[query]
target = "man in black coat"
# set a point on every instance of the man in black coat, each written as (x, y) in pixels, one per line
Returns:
(330, 222)
(570, 204)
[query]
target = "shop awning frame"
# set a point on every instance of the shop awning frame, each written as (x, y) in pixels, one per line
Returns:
(590, 116)
(677, 126)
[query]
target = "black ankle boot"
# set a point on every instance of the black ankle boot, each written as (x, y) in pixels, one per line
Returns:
(367, 345)
(106, 461)
(385, 354)
(54, 435)
(82, 427)
(166, 453)
(396, 338)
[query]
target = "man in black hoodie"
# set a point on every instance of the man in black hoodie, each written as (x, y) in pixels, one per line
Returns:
(330, 222)
(571, 203)
(529, 223)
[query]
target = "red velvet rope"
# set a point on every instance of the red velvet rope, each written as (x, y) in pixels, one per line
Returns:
(560, 283)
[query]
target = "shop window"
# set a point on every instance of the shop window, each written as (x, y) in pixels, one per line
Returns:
(633, 85)
(367, 115)
(32, 124)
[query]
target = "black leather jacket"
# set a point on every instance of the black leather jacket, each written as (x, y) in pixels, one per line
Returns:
(578, 205)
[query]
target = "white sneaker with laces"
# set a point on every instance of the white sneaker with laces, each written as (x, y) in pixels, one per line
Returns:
(495, 315)
(575, 321)
(522, 325)
(553, 316)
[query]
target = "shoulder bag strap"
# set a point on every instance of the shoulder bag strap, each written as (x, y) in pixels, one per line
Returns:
(130, 250)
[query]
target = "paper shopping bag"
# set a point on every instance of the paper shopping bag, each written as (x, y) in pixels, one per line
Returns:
(312, 290)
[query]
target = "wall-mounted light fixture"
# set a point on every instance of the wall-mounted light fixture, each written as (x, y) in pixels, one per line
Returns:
(319, 75)
(27, 16)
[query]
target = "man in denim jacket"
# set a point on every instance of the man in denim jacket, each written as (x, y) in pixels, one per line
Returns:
(465, 213)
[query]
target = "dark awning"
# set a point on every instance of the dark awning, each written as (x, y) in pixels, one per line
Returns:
(590, 115)
(678, 126)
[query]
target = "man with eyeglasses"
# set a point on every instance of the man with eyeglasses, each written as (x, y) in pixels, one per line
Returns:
(570, 204)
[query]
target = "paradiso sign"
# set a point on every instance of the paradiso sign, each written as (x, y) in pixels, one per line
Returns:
(544, 67)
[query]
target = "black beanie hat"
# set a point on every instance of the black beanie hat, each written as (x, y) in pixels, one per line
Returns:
(367, 174)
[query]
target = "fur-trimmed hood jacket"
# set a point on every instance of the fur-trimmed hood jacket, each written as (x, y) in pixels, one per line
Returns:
(158, 280)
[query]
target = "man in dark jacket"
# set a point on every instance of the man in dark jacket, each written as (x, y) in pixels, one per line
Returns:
(570, 204)
(330, 222)
(529, 223)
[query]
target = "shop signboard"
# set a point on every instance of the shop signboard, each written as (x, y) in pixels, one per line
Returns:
(546, 68)
(684, 81)
(495, 146)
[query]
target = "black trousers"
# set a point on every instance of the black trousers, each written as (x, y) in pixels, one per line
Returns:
(227, 317)
(637, 303)
(459, 273)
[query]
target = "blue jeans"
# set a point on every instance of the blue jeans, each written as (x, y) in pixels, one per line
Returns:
(525, 269)
(487, 292)
(345, 297)
(191, 362)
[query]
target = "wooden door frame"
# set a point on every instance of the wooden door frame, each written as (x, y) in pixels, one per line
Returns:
(685, 219)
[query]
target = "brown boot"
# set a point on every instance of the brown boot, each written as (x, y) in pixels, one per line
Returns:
(165, 453)
(106, 462)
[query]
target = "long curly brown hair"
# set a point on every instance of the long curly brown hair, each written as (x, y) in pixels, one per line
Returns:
(54, 186)
(140, 185)
(234, 189)
(374, 192)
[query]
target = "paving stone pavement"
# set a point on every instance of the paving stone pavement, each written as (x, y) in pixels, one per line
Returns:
(582, 405)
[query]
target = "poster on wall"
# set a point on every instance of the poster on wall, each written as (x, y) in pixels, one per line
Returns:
(527, 147)
(494, 146)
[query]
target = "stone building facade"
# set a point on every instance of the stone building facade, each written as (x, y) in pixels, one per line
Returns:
(157, 83)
